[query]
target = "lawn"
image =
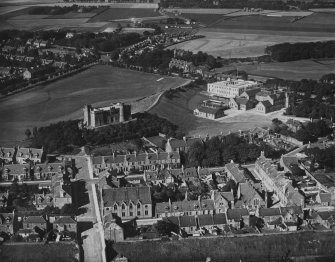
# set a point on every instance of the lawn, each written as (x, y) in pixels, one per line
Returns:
(124, 13)
(179, 110)
(65, 98)
(245, 43)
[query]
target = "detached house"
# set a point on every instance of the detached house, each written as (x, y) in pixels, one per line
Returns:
(47, 170)
(238, 217)
(65, 223)
(31, 222)
(222, 201)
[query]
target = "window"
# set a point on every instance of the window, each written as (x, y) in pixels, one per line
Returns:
(115, 207)
(131, 213)
(138, 212)
(123, 206)
(139, 205)
(123, 214)
(146, 212)
(130, 206)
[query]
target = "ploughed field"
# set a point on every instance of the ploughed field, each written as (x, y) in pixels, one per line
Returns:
(64, 99)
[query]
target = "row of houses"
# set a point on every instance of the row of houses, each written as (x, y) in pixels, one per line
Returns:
(35, 172)
(21, 155)
(33, 228)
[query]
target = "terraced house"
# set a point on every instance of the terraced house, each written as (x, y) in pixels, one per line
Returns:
(47, 170)
(21, 172)
(138, 162)
(127, 202)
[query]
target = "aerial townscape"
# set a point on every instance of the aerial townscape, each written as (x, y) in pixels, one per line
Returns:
(165, 130)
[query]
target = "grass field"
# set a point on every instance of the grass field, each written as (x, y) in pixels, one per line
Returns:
(123, 13)
(39, 252)
(244, 42)
(179, 110)
(65, 98)
(295, 70)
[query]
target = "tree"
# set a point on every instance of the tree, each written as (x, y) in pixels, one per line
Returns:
(196, 154)
(27, 133)
(68, 209)
(165, 228)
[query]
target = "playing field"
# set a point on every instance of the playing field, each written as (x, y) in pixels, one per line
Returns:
(65, 98)
(179, 110)
(245, 43)
(295, 70)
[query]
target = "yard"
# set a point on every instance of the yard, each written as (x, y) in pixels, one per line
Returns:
(64, 99)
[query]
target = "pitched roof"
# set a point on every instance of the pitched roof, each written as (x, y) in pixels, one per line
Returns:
(173, 220)
(184, 206)
(205, 220)
(229, 196)
(31, 152)
(237, 213)
(236, 172)
(208, 110)
(325, 197)
(16, 168)
(190, 172)
(4, 152)
(248, 192)
(251, 92)
(157, 141)
(187, 221)
(126, 194)
(242, 100)
(266, 212)
(65, 220)
(220, 219)
(35, 220)
(296, 210)
(49, 167)
(266, 103)
(6, 218)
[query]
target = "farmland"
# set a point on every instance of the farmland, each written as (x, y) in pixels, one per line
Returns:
(245, 43)
(295, 70)
(123, 13)
(65, 98)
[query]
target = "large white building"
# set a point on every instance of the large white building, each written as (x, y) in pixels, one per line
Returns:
(230, 88)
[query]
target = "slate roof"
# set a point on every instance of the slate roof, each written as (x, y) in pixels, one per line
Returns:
(220, 219)
(187, 221)
(49, 167)
(266, 103)
(237, 213)
(266, 212)
(190, 172)
(142, 157)
(205, 220)
(157, 141)
(241, 100)
(30, 152)
(65, 220)
(248, 192)
(296, 210)
(229, 196)
(4, 152)
(325, 197)
(251, 92)
(16, 168)
(35, 220)
(185, 206)
(6, 218)
(236, 172)
(126, 194)
(209, 110)
(173, 220)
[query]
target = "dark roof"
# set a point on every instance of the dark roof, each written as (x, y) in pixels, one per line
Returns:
(220, 219)
(251, 92)
(296, 210)
(241, 100)
(205, 220)
(157, 141)
(35, 220)
(237, 213)
(173, 220)
(325, 197)
(236, 172)
(126, 194)
(264, 212)
(184, 206)
(266, 103)
(187, 221)
(65, 220)
(209, 110)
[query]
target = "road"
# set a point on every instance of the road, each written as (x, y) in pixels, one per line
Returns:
(93, 238)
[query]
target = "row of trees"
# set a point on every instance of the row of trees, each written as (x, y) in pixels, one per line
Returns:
(324, 157)
(312, 109)
(297, 51)
(63, 137)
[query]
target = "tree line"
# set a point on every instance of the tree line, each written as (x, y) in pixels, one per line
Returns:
(64, 137)
(290, 52)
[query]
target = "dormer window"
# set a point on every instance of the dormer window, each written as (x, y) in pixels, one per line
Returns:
(131, 206)
(175, 207)
(123, 206)
(115, 207)
(167, 207)
(139, 205)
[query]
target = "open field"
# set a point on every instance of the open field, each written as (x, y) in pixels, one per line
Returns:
(179, 110)
(285, 246)
(123, 13)
(39, 252)
(294, 70)
(64, 99)
(245, 43)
